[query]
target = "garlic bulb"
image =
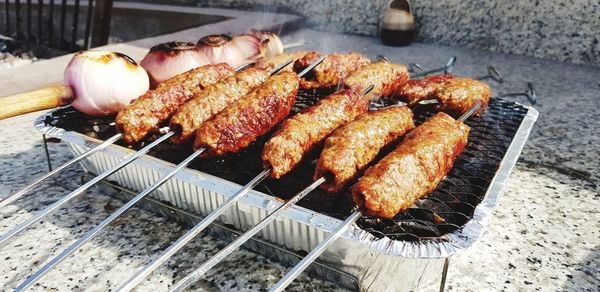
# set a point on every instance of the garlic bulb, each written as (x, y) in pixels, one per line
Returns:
(164, 61)
(104, 82)
(271, 44)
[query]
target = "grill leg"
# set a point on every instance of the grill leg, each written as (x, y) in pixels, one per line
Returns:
(444, 274)
(47, 153)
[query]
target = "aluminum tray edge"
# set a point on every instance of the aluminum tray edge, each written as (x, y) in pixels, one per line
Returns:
(455, 242)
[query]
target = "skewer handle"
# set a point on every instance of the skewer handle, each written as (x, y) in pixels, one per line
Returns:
(446, 69)
(315, 253)
(183, 240)
(38, 216)
(240, 240)
(90, 234)
(38, 181)
(529, 94)
(37, 100)
(294, 44)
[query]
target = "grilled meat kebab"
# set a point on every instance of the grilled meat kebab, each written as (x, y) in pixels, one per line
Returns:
(352, 147)
(455, 95)
(384, 75)
(300, 133)
(213, 100)
(251, 116)
(460, 94)
(417, 90)
(331, 72)
(413, 169)
(151, 110)
(272, 62)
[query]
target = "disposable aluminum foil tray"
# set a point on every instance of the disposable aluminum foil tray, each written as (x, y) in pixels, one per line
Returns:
(383, 255)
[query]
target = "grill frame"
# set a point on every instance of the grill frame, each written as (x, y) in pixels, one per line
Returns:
(357, 252)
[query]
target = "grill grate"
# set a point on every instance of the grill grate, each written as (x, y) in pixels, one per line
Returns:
(445, 210)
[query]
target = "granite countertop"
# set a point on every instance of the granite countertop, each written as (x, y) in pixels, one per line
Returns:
(543, 235)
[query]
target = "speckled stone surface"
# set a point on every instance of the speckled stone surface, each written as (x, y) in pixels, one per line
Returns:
(557, 29)
(116, 253)
(553, 29)
(543, 235)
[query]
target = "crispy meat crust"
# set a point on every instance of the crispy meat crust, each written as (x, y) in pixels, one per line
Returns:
(413, 169)
(417, 90)
(455, 95)
(384, 75)
(460, 94)
(300, 133)
(351, 148)
(272, 62)
(250, 117)
(188, 119)
(331, 71)
(151, 110)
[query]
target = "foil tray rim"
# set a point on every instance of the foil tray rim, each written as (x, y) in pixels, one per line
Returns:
(452, 243)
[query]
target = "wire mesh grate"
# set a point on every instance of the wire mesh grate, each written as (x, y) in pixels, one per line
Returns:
(443, 211)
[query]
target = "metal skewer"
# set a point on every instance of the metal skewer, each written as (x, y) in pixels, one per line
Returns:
(141, 275)
(95, 180)
(192, 277)
(412, 67)
(294, 44)
(182, 241)
(90, 234)
(83, 188)
(529, 94)
(87, 154)
(315, 253)
(132, 282)
(493, 74)
(38, 181)
(446, 69)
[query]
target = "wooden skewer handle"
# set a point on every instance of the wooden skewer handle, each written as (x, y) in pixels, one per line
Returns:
(37, 100)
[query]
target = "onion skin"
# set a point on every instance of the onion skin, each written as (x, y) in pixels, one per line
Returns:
(104, 82)
(221, 49)
(271, 44)
(251, 47)
(167, 60)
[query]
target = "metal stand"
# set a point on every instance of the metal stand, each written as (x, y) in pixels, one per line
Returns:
(444, 274)
(47, 153)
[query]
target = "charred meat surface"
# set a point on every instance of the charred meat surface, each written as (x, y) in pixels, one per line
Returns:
(331, 71)
(188, 119)
(351, 148)
(150, 111)
(272, 62)
(384, 75)
(460, 94)
(251, 116)
(300, 133)
(417, 90)
(413, 169)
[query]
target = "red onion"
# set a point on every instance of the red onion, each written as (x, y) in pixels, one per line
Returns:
(234, 51)
(104, 82)
(169, 59)
(250, 47)
(271, 44)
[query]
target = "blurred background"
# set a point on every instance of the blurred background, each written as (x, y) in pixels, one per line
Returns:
(552, 29)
